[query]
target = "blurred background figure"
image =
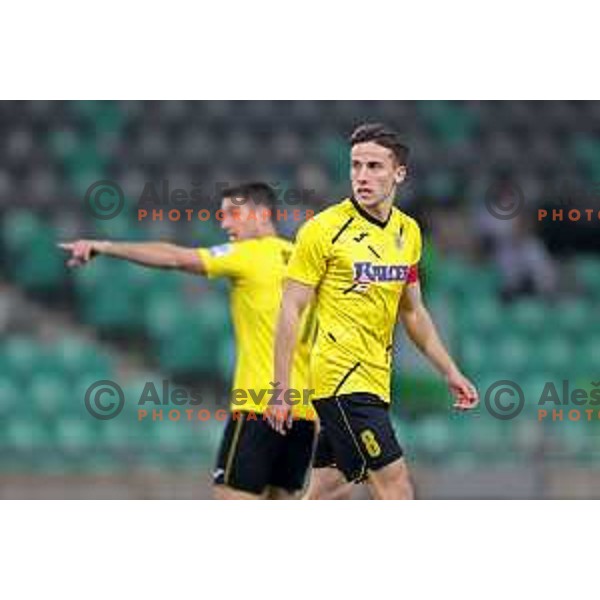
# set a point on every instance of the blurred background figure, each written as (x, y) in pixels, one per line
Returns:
(525, 265)
(60, 334)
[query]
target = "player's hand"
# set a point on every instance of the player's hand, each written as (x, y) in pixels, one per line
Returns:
(82, 251)
(464, 392)
(279, 416)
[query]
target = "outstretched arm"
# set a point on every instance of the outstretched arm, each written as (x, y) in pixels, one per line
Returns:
(422, 332)
(296, 297)
(160, 255)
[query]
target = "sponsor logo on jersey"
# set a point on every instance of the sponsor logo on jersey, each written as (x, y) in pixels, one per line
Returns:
(366, 272)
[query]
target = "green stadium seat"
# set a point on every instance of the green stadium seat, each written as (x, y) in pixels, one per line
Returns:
(65, 144)
(22, 354)
(114, 306)
(573, 317)
(512, 354)
(475, 353)
(34, 260)
(78, 357)
(10, 397)
(482, 315)
(50, 396)
(76, 434)
(584, 362)
(588, 272)
(433, 434)
(162, 314)
(26, 434)
(449, 122)
(527, 317)
(453, 275)
(555, 354)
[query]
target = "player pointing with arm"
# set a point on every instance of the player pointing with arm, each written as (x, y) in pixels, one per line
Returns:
(253, 461)
(359, 260)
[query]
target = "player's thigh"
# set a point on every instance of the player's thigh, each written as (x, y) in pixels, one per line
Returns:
(294, 455)
(360, 434)
(391, 482)
(328, 483)
(246, 456)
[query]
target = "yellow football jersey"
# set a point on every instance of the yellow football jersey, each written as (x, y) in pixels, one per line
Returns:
(359, 267)
(256, 268)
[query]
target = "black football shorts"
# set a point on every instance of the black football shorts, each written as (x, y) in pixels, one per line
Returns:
(253, 456)
(356, 435)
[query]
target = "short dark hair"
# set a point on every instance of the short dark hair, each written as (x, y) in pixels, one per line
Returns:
(382, 135)
(257, 191)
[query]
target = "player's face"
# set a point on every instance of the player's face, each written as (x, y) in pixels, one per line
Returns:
(375, 173)
(236, 218)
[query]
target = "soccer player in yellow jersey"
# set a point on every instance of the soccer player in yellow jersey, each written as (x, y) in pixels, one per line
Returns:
(359, 260)
(253, 461)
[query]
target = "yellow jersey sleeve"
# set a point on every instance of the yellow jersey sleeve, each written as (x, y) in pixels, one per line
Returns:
(308, 261)
(416, 247)
(418, 244)
(226, 260)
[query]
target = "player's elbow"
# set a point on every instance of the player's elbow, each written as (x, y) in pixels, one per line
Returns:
(408, 318)
(417, 324)
(186, 260)
(413, 321)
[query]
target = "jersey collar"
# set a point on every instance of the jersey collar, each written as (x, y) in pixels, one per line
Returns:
(365, 215)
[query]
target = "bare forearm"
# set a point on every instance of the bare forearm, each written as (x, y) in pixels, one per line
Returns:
(422, 332)
(285, 342)
(150, 254)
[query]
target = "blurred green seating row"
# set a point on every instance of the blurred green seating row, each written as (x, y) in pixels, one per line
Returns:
(53, 395)
(70, 442)
(86, 434)
(448, 122)
(520, 356)
(491, 440)
(21, 357)
(528, 317)
(189, 331)
(30, 252)
(454, 276)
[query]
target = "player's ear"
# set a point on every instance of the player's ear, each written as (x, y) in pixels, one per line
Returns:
(400, 174)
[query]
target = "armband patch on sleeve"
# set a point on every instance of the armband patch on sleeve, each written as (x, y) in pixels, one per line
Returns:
(413, 274)
(221, 250)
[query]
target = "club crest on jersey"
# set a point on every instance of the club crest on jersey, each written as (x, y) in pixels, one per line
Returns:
(366, 272)
(400, 239)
